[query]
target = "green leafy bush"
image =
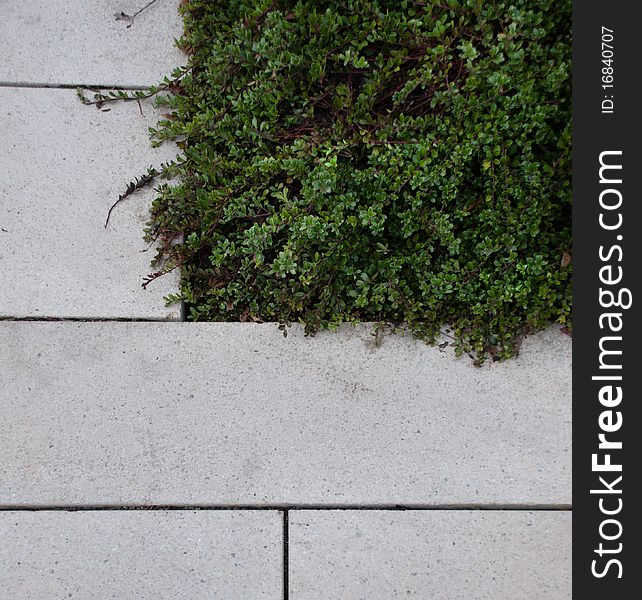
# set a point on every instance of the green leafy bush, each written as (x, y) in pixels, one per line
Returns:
(397, 162)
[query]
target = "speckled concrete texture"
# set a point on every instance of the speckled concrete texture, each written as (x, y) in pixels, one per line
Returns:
(63, 165)
(146, 555)
(81, 42)
(441, 555)
(228, 414)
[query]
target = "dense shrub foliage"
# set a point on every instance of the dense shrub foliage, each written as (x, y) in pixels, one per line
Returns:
(397, 162)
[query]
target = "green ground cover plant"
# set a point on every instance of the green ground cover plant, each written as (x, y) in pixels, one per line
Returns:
(397, 162)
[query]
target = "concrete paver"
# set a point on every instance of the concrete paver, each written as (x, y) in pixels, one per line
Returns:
(81, 42)
(229, 414)
(63, 166)
(441, 555)
(188, 555)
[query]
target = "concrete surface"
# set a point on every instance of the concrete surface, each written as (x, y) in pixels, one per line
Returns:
(440, 555)
(81, 42)
(147, 414)
(228, 414)
(63, 166)
(155, 555)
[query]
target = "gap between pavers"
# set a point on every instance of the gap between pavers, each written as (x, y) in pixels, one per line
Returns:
(234, 414)
(193, 555)
(441, 555)
(80, 41)
(64, 165)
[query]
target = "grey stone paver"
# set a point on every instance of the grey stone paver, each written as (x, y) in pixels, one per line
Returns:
(441, 555)
(146, 555)
(188, 413)
(80, 42)
(63, 165)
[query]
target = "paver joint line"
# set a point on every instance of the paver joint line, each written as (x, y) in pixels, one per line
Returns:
(289, 507)
(286, 554)
(93, 319)
(92, 87)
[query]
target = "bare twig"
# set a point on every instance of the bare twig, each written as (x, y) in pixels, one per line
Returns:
(121, 16)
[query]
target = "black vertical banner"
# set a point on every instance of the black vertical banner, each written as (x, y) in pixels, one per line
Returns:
(607, 267)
